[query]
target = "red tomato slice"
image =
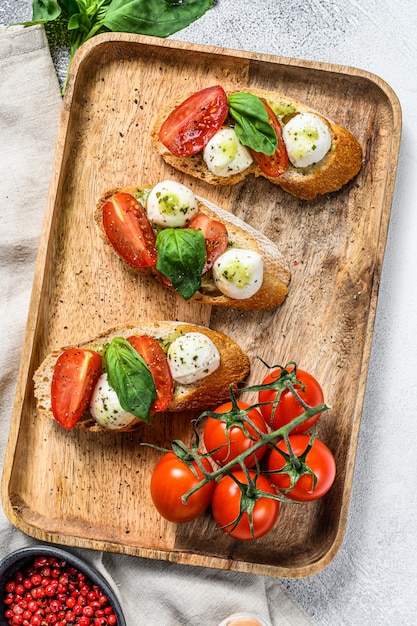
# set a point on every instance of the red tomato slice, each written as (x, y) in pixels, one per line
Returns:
(155, 358)
(215, 234)
(191, 125)
(129, 230)
(276, 164)
(75, 375)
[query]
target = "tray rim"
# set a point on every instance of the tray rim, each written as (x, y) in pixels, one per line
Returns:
(179, 556)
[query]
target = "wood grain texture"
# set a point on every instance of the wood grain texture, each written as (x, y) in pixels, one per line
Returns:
(92, 491)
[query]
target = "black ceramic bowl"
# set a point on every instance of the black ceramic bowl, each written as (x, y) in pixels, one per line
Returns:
(21, 558)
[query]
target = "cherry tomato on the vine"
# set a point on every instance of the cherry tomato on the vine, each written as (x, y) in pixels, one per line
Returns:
(288, 407)
(171, 479)
(75, 373)
(319, 460)
(276, 164)
(226, 506)
(232, 439)
(157, 362)
(191, 125)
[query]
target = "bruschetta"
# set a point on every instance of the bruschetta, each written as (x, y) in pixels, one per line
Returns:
(196, 249)
(221, 138)
(123, 377)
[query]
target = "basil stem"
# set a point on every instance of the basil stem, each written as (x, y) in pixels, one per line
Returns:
(252, 126)
(181, 258)
(130, 377)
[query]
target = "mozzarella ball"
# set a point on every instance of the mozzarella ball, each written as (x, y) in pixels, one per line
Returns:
(224, 155)
(191, 357)
(307, 139)
(106, 408)
(238, 273)
(171, 204)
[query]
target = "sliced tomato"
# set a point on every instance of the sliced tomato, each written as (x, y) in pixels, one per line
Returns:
(215, 234)
(75, 375)
(191, 125)
(129, 230)
(276, 164)
(156, 359)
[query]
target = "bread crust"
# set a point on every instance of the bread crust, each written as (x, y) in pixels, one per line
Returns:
(233, 369)
(276, 271)
(342, 163)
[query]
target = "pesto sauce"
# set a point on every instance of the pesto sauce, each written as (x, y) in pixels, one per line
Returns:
(282, 109)
(142, 194)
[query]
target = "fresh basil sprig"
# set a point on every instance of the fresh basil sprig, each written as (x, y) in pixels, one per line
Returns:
(153, 17)
(130, 377)
(181, 258)
(252, 126)
(86, 18)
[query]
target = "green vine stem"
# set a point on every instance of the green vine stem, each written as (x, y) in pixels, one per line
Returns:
(268, 438)
(237, 416)
(295, 466)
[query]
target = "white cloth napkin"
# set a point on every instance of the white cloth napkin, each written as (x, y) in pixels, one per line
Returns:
(155, 593)
(30, 105)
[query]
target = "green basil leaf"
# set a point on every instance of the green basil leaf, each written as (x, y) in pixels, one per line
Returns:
(159, 18)
(252, 126)
(97, 7)
(181, 258)
(130, 377)
(80, 21)
(71, 6)
(75, 22)
(43, 11)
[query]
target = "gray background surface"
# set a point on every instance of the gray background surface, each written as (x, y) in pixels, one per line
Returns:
(373, 578)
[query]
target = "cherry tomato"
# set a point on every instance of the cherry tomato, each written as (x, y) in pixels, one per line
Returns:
(226, 504)
(231, 438)
(129, 230)
(319, 460)
(288, 406)
(276, 164)
(75, 374)
(171, 479)
(157, 362)
(215, 234)
(191, 125)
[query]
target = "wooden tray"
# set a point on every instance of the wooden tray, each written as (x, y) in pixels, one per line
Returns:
(85, 490)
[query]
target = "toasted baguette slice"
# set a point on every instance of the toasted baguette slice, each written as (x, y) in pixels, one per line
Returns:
(233, 369)
(339, 166)
(276, 272)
